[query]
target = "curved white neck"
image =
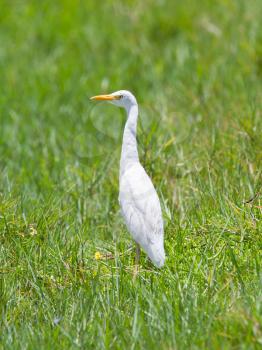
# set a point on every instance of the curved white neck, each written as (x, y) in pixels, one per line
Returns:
(129, 154)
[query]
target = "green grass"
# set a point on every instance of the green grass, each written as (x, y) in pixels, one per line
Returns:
(196, 70)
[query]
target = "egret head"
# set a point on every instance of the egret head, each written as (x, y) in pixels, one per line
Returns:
(121, 98)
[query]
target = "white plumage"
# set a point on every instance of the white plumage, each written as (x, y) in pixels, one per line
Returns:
(138, 199)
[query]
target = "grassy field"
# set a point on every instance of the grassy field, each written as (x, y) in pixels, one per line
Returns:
(196, 69)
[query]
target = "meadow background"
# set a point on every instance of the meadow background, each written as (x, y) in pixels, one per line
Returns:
(195, 68)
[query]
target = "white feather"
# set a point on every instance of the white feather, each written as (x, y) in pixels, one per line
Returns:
(142, 212)
(138, 199)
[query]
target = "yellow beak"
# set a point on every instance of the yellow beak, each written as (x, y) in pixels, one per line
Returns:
(104, 98)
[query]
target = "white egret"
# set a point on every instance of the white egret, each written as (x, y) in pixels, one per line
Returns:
(138, 199)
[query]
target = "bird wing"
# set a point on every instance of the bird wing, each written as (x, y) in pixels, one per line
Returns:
(141, 210)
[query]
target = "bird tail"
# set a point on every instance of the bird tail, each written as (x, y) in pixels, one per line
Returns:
(157, 255)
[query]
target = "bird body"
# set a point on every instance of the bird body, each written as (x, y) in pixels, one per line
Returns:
(141, 210)
(139, 202)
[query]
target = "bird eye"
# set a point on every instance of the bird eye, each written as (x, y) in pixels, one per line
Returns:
(121, 96)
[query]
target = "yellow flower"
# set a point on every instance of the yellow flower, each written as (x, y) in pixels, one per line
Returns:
(32, 231)
(98, 255)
